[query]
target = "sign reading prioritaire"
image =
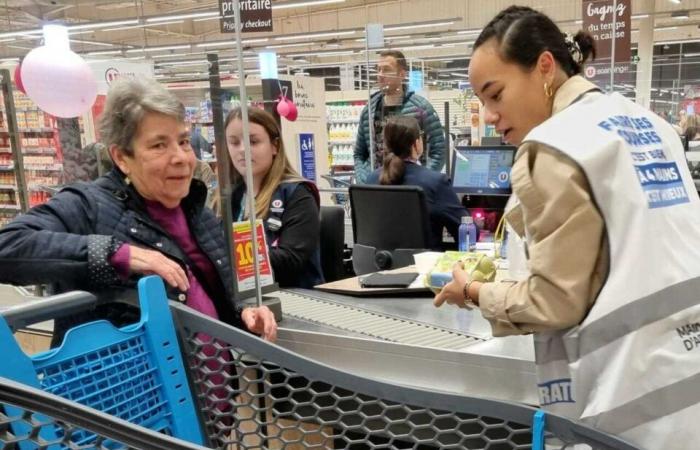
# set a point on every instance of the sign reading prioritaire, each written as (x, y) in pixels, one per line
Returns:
(256, 15)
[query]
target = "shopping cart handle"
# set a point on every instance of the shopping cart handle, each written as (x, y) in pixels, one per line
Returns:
(48, 308)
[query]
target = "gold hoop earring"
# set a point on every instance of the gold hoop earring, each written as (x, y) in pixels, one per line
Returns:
(548, 91)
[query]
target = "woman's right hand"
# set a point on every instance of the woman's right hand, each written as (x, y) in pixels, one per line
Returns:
(151, 262)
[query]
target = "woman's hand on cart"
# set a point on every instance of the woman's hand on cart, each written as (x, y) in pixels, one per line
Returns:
(151, 262)
(260, 320)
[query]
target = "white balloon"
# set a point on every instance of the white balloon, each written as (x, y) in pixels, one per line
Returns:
(59, 81)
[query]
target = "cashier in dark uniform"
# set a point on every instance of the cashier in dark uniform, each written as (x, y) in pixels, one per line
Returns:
(287, 204)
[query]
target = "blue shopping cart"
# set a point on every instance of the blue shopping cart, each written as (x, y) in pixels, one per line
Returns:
(135, 373)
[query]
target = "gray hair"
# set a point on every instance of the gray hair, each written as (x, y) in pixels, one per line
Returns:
(127, 103)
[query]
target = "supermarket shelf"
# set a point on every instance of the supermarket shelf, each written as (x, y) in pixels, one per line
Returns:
(342, 165)
(30, 130)
(6, 187)
(48, 168)
(31, 150)
(39, 150)
(357, 120)
(24, 110)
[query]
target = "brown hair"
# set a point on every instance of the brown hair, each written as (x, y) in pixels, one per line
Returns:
(398, 56)
(281, 170)
(400, 133)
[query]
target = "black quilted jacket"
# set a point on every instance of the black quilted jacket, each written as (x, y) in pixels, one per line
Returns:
(67, 242)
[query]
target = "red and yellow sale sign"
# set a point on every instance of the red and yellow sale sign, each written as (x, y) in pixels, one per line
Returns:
(244, 258)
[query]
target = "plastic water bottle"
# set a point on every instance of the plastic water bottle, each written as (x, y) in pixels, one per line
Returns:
(466, 234)
(471, 231)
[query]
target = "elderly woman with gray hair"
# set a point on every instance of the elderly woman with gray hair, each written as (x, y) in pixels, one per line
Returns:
(146, 216)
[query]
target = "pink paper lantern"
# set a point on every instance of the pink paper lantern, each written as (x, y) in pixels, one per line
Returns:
(59, 81)
(18, 79)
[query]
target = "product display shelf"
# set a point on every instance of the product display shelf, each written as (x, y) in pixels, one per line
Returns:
(42, 157)
(343, 120)
(458, 102)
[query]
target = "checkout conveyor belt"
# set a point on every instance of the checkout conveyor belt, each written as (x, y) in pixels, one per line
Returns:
(374, 324)
(408, 341)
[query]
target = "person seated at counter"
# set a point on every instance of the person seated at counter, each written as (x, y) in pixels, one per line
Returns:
(403, 141)
(146, 216)
(287, 204)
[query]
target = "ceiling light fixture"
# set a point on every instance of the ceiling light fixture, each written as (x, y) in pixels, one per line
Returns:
(680, 15)
(298, 44)
(182, 16)
(155, 49)
(97, 44)
(143, 25)
(113, 23)
(316, 35)
(304, 3)
(103, 52)
(665, 28)
(640, 16)
(474, 31)
(231, 43)
(420, 25)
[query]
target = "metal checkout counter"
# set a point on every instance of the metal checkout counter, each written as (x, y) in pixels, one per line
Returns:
(406, 340)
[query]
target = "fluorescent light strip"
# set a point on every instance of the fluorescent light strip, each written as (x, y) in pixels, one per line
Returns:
(306, 3)
(640, 16)
(183, 16)
(299, 44)
(177, 55)
(183, 63)
(665, 28)
(208, 18)
(103, 52)
(7, 40)
(315, 35)
(98, 44)
(155, 49)
(143, 25)
(89, 26)
(346, 52)
(231, 43)
(469, 31)
(423, 25)
(21, 33)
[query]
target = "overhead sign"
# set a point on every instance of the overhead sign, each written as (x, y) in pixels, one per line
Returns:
(598, 17)
(256, 15)
(107, 72)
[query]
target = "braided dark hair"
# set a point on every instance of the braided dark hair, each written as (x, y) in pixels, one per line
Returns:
(523, 34)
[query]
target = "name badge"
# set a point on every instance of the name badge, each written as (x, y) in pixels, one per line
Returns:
(274, 224)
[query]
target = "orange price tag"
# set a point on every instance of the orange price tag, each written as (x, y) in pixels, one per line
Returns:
(244, 257)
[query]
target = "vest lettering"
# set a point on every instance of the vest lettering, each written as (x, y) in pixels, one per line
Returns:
(556, 391)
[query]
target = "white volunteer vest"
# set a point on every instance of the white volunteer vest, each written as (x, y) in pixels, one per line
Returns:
(632, 367)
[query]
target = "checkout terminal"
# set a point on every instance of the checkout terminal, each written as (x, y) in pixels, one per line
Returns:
(482, 175)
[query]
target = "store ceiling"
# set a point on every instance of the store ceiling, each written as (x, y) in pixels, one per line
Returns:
(433, 33)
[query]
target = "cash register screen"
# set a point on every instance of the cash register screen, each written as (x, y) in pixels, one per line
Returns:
(479, 170)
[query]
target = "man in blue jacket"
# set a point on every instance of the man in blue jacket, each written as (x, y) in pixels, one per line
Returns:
(394, 99)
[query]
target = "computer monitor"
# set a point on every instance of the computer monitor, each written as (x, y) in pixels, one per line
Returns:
(482, 170)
